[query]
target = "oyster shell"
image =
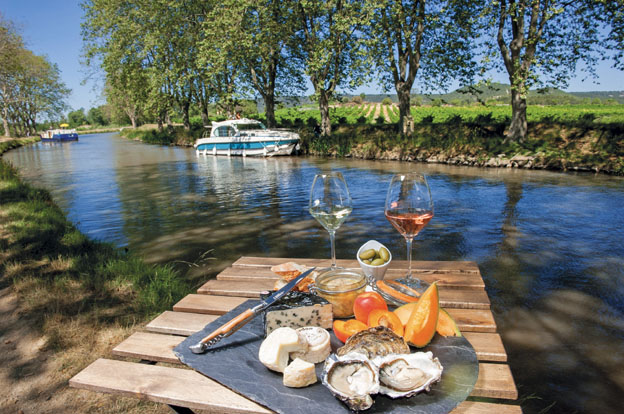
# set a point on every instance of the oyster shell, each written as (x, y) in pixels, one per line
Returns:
(351, 378)
(407, 374)
(377, 341)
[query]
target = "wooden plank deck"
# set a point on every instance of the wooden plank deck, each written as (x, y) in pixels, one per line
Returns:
(462, 294)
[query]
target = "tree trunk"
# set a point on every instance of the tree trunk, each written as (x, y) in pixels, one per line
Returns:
(159, 120)
(269, 109)
(518, 128)
(134, 121)
(204, 117)
(168, 122)
(5, 122)
(324, 109)
(406, 121)
(185, 115)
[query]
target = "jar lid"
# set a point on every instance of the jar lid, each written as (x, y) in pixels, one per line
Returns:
(340, 280)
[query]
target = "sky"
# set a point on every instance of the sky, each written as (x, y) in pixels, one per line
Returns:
(52, 28)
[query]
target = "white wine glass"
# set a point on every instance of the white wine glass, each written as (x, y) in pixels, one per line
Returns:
(330, 204)
(409, 208)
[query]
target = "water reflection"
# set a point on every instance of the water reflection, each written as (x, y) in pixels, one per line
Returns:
(549, 245)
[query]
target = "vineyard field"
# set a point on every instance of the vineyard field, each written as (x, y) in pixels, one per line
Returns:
(372, 113)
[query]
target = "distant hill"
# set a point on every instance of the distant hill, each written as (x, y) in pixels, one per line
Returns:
(494, 93)
(499, 92)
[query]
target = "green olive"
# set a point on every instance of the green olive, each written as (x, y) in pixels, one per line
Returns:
(384, 254)
(377, 262)
(367, 261)
(367, 254)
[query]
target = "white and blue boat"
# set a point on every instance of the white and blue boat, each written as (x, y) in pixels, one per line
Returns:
(59, 135)
(246, 137)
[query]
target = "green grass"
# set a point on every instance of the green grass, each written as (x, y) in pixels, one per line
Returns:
(38, 232)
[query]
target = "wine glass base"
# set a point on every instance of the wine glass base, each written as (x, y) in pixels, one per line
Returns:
(412, 283)
(398, 290)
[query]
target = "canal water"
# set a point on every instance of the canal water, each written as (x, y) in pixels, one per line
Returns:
(549, 245)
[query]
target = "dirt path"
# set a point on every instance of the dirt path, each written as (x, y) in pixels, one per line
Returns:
(385, 114)
(370, 109)
(34, 379)
(377, 112)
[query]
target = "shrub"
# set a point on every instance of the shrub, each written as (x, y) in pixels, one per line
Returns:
(386, 101)
(357, 100)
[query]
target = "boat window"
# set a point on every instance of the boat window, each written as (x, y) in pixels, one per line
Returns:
(253, 125)
(225, 131)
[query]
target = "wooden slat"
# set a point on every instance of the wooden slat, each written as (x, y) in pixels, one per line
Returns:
(180, 323)
(488, 346)
(449, 298)
(473, 320)
(213, 305)
(417, 265)
(447, 280)
(495, 381)
(150, 347)
(174, 386)
(159, 348)
(188, 388)
(187, 323)
(474, 407)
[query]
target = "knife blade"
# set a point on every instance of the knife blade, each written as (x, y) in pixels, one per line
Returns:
(239, 321)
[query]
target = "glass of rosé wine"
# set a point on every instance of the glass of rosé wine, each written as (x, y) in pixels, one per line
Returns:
(409, 208)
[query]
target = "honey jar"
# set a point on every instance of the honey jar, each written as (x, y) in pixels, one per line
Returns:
(340, 287)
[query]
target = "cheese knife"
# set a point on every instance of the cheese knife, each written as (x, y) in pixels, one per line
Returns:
(239, 321)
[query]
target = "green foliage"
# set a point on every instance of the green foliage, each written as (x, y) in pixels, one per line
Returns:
(98, 116)
(386, 101)
(30, 85)
(77, 118)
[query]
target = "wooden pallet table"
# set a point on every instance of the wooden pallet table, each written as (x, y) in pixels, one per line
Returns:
(142, 368)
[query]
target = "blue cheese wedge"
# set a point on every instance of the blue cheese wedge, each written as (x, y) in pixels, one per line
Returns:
(297, 310)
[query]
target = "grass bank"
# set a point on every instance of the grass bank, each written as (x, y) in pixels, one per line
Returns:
(176, 135)
(581, 140)
(81, 296)
(574, 145)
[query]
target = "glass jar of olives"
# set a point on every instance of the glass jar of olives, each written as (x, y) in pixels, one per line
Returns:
(340, 287)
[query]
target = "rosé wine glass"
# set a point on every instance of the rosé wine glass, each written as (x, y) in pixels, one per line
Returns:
(409, 208)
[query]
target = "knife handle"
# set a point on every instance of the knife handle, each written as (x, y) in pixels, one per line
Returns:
(231, 326)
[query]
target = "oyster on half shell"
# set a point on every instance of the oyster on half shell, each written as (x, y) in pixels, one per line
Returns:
(373, 342)
(403, 375)
(352, 378)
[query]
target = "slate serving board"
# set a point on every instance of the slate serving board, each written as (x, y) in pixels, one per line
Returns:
(234, 363)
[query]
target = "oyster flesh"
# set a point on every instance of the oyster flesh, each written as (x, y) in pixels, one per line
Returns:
(352, 378)
(377, 341)
(407, 374)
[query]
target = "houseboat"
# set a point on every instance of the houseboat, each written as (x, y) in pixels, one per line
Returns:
(246, 137)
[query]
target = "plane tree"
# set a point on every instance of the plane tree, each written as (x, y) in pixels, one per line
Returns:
(428, 40)
(539, 43)
(256, 35)
(327, 44)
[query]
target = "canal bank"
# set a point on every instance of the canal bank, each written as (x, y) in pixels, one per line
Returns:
(65, 300)
(573, 146)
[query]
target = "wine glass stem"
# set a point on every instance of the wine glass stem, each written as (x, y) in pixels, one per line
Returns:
(332, 238)
(408, 241)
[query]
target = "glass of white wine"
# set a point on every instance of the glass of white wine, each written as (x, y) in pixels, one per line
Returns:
(330, 204)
